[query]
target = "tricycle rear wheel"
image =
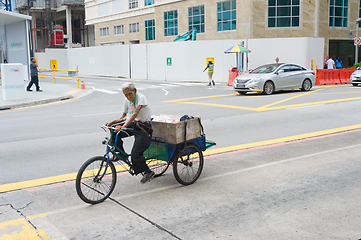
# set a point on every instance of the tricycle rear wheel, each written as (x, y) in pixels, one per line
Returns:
(157, 166)
(187, 167)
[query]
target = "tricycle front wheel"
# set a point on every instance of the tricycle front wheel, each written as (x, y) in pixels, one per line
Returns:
(95, 180)
(187, 167)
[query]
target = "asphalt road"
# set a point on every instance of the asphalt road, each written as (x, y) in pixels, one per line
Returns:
(259, 182)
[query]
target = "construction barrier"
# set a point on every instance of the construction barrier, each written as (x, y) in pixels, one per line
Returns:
(333, 76)
(232, 75)
(70, 72)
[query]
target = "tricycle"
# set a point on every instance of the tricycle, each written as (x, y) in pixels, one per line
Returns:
(97, 177)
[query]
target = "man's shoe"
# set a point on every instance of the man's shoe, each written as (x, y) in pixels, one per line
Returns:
(147, 177)
(213, 83)
(39, 90)
(29, 90)
(209, 84)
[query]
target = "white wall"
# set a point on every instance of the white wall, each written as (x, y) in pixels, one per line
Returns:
(148, 61)
(61, 55)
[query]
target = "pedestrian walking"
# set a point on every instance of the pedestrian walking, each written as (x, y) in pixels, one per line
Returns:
(34, 76)
(210, 67)
(338, 63)
(325, 66)
(331, 63)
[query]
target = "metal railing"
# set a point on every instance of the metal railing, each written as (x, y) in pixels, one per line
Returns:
(55, 77)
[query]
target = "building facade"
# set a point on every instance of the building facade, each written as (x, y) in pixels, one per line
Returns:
(147, 21)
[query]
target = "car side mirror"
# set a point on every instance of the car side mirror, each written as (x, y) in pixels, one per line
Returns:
(281, 71)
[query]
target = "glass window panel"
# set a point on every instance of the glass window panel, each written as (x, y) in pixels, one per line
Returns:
(196, 20)
(202, 9)
(234, 14)
(295, 11)
(345, 22)
(219, 7)
(219, 26)
(271, 2)
(332, 2)
(339, 2)
(332, 11)
(226, 25)
(226, 6)
(295, 2)
(234, 25)
(283, 2)
(190, 22)
(196, 11)
(271, 12)
(338, 22)
(284, 22)
(345, 11)
(202, 18)
(271, 22)
(345, 3)
(219, 17)
(284, 11)
(338, 11)
(295, 22)
(189, 11)
(233, 4)
(226, 16)
(202, 29)
(332, 22)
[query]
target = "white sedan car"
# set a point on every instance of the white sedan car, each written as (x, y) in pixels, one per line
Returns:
(274, 77)
(355, 78)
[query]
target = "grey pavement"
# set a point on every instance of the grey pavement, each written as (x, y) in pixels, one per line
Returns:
(51, 93)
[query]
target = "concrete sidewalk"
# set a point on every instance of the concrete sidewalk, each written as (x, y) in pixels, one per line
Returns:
(51, 93)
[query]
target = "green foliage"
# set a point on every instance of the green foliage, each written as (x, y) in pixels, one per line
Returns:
(356, 65)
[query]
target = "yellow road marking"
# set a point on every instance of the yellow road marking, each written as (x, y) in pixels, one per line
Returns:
(195, 98)
(268, 107)
(72, 92)
(287, 99)
(281, 140)
(72, 176)
(22, 229)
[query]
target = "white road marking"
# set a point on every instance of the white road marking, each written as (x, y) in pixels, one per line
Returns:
(166, 92)
(105, 91)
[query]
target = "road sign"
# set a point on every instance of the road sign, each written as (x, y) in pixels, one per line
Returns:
(357, 41)
(169, 61)
(53, 64)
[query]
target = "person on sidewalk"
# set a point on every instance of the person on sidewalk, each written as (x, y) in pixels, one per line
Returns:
(338, 63)
(210, 67)
(277, 60)
(331, 63)
(34, 76)
(136, 119)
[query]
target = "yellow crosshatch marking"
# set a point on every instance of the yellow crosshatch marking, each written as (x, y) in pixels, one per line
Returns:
(272, 106)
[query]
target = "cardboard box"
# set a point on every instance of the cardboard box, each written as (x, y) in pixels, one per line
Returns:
(173, 133)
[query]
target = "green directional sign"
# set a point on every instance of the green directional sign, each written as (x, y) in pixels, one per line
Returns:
(169, 61)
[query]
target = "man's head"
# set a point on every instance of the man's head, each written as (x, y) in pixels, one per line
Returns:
(32, 59)
(129, 90)
(277, 60)
(210, 61)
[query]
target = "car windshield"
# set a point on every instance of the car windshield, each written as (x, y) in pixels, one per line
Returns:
(266, 68)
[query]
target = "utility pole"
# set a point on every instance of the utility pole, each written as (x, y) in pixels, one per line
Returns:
(48, 22)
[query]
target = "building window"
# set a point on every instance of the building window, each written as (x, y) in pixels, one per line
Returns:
(104, 31)
(118, 29)
(103, 9)
(283, 13)
(226, 15)
(148, 2)
(117, 6)
(338, 13)
(133, 27)
(196, 18)
(133, 4)
(171, 23)
(149, 30)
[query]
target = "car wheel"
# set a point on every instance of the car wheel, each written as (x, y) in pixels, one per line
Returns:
(268, 88)
(306, 85)
(354, 84)
(242, 93)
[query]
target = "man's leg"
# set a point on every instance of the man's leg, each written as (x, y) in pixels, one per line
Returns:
(36, 82)
(30, 83)
(141, 143)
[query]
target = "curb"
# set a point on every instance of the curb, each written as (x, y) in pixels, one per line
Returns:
(34, 103)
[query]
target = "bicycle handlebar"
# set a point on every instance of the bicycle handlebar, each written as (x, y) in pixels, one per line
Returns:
(104, 127)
